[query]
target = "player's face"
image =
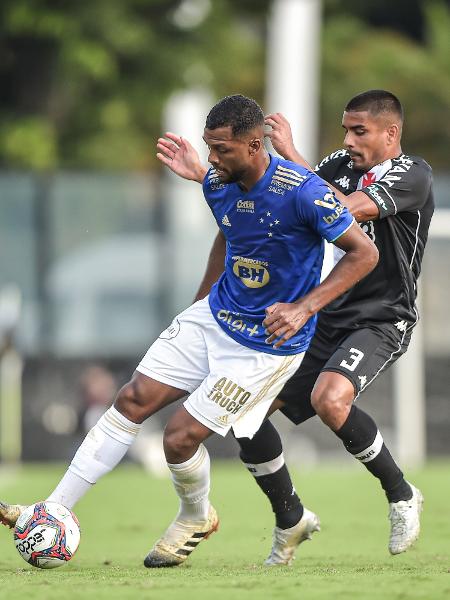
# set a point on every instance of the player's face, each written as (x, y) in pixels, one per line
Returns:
(368, 139)
(231, 156)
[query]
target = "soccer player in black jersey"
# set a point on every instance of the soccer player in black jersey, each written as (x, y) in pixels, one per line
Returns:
(363, 332)
(360, 334)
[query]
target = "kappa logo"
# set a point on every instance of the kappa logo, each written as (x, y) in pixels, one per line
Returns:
(344, 182)
(401, 326)
(363, 380)
(226, 221)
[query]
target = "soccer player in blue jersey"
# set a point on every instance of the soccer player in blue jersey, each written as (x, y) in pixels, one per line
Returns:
(232, 351)
(363, 332)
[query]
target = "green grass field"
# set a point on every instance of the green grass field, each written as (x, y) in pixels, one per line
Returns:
(128, 510)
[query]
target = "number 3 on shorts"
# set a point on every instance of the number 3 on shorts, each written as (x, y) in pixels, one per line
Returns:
(356, 356)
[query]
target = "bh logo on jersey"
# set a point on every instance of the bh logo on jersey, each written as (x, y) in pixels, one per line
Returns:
(252, 273)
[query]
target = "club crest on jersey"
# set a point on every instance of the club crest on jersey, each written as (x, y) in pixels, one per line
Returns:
(253, 273)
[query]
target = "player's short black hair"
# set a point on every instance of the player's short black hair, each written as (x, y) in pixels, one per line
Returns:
(376, 102)
(242, 114)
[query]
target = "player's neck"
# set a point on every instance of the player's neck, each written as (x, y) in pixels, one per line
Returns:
(394, 153)
(254, 175)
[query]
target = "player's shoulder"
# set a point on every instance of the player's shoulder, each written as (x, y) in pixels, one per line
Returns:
(410, 169)
(335, 159)
(291, 171)
(212, 182)
(416, 163)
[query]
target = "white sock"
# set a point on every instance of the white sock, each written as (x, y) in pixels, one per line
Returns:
(191, 481)
(101, 450)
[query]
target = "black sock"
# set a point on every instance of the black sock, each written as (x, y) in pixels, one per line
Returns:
(361, 438)
(263, 457)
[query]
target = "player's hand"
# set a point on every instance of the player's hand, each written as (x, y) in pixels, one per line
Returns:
(280, 135)
(283, 320)
(181, 157)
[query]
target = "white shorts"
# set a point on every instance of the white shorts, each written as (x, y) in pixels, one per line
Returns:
(230, 385)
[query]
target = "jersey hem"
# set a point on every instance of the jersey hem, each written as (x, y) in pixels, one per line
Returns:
(257, 347)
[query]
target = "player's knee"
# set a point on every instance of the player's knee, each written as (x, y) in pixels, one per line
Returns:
(130, 401)
(179, 443)
(329, 402)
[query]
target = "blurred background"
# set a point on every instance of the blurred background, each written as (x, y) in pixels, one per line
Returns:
(100, 246)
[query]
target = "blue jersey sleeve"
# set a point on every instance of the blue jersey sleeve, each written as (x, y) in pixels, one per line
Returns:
(321, 210)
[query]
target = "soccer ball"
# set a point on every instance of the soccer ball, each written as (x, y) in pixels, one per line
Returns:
(47, 535)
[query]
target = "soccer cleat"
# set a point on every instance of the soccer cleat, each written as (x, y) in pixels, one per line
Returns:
(9, 513)
(405, 522)
(180, 539)
(285, 541)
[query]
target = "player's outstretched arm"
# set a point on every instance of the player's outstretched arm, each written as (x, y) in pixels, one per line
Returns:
(181, 157)
(283, 320)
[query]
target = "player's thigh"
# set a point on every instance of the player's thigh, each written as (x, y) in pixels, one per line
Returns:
(240, 388)
(296, 393)
(366, 353)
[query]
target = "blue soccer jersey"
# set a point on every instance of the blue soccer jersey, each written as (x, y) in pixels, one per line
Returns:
(274, 253)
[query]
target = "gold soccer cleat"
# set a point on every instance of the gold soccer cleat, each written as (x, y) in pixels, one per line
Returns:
(9, 513)
(180, 539)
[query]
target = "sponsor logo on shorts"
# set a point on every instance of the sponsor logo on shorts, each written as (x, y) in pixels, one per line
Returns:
(228, 395)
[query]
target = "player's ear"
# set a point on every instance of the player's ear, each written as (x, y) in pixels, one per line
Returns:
(254, 146)
(393, 132)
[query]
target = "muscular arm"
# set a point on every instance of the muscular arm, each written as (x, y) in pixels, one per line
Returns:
(358, 203)
(214, 268)
(283, 320)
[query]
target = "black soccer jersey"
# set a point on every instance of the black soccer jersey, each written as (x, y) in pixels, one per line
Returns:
(402, 190)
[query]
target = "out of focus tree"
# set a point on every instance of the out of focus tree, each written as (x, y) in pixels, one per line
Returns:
(357, 57)
(84, 83)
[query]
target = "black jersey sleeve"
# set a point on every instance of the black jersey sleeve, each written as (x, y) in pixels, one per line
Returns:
(330, 165)
(405, 187)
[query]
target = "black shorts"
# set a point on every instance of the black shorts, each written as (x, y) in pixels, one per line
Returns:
(360, 355)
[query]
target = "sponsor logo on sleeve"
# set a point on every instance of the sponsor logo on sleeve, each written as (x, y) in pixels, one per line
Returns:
(373, 190)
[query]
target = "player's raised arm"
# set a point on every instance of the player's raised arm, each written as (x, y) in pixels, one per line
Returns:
(181, 157)
(283, 320)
